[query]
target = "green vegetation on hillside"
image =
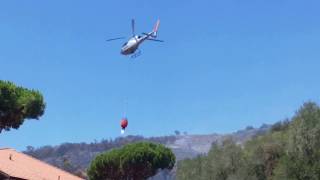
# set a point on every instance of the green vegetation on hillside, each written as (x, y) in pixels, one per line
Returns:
(18, 104)
(134, 161)
(291, 150)
(79, 155)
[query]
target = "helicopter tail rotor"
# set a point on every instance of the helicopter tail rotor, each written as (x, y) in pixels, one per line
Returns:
(155, 29)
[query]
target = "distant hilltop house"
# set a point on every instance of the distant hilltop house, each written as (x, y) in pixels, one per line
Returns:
(18, 166)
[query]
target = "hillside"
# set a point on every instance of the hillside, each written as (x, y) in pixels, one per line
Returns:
(75, 157)
(289, 150)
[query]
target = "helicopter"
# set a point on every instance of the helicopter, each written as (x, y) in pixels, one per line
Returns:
(131, 46)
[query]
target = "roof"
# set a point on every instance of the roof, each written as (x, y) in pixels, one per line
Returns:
(19, 165)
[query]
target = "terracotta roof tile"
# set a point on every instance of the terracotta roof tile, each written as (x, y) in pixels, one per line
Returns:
(20, 165)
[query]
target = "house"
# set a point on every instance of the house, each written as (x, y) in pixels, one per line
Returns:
(18, 166)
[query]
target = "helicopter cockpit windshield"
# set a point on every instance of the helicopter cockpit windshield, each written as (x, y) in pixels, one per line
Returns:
(124, 44)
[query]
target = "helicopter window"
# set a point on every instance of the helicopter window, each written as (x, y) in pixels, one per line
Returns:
(125, 44)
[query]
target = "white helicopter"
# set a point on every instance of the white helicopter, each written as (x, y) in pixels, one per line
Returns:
(132, 45)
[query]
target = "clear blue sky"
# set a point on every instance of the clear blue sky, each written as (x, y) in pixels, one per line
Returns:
(224, 65)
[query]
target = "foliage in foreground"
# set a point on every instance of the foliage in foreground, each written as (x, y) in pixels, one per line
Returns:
(76, 157)
(291, 150)
(18, 104)
(134, 161)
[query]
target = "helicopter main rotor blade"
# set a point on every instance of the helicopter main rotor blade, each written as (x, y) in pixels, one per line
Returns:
(112, 39)
(132, 27)
(158, 40)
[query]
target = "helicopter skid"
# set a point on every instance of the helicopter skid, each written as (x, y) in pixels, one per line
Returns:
(136, 54)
